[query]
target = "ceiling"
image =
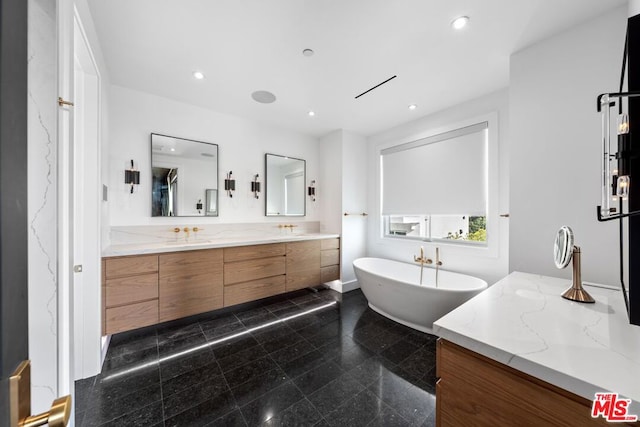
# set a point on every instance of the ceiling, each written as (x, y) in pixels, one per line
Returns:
(246, 45)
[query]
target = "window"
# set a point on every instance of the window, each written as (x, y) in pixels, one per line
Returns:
(460, 228)
(436, 188)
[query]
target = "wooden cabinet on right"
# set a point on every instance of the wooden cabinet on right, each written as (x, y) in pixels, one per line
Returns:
(475, 390)
(329, 260)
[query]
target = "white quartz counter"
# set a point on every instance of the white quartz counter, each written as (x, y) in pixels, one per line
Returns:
(523, 322)
(180, 243)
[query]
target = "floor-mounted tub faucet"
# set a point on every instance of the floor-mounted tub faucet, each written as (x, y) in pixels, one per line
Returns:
(422, 262)
(438, 264)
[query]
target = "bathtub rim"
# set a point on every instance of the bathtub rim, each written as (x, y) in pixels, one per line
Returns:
(433, 288)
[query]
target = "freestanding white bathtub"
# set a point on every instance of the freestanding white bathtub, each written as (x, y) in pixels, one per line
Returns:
(393, 290)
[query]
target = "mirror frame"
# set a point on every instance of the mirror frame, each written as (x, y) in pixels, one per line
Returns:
(266, 185)
(217, 212)
(563, 247)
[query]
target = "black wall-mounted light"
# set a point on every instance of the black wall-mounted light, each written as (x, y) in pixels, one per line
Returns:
(132, 176)
(199, 206)
(255, 186)
(230, 184)
(311, 191)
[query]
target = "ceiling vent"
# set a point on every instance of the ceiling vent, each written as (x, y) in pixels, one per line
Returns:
(376, 86)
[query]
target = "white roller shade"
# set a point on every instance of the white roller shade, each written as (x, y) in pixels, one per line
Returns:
(441, 174)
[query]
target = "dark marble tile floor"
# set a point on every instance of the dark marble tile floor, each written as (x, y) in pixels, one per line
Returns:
(314, 359)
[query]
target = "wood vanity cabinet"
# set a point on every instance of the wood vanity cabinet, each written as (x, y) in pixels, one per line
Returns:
(253, 272)
(142, 290)
(191, 282)
(303, 264)
(130, 293)
(329, 260)
(475, 390)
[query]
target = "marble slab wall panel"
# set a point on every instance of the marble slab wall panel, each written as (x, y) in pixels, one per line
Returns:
(124, 235)
(42, 189)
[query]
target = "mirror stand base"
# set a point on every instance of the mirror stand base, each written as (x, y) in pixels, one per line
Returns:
(578, 295)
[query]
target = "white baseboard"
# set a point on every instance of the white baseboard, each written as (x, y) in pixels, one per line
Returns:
(105, 346)
(343, 287)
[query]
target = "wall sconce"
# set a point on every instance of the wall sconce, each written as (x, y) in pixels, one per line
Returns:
(199, 206)
(255, 186)
(132, 176)
(230, 184)
(311, 191)
(615, 179)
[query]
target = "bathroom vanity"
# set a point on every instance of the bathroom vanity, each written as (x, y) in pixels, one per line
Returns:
(143, 285)
(519, 352)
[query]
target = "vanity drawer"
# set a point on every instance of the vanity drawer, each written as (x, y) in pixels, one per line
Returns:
(254, 290)
(126, 317)
(190, 283)
(125, 290)
(329, 273)
(128, 266)
(244, 253)
(245, 271)
(330, 257)
(330, 244)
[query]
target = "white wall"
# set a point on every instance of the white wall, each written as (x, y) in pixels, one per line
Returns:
(42, 208)
(134, 115)
(343, 188)
(329, 186)
(490, 265)
(354, 200)
(556, 150)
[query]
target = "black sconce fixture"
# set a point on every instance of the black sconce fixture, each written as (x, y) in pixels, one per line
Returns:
(255, 186)
(230, 184)
(132, 176)
(199, 206)
(311, 191)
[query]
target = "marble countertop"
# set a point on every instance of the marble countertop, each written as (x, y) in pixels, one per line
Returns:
(523, 322)
(197, 242)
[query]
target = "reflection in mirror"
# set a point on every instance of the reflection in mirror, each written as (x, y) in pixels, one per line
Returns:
(212, 203)
(285, 178)
(184, 172)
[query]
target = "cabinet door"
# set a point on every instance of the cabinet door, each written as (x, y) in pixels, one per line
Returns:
(303, 264)
(190, 283)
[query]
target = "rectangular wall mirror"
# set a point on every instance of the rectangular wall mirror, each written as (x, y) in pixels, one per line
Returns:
(184, 177)
(284, 182)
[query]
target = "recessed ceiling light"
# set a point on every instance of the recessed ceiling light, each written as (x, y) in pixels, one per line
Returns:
(307, 52)
(311, 113)
(460, 22)
(263, 97)
(412, 107)
(173, 149)
(198, 75)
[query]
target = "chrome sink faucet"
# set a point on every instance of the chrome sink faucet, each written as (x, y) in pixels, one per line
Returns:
(422, 260)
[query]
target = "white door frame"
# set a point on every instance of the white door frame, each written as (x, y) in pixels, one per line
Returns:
(87, 237)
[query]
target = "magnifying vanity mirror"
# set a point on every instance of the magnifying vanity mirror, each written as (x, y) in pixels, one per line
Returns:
(563, 252)
(284, 182)
(184, 177)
